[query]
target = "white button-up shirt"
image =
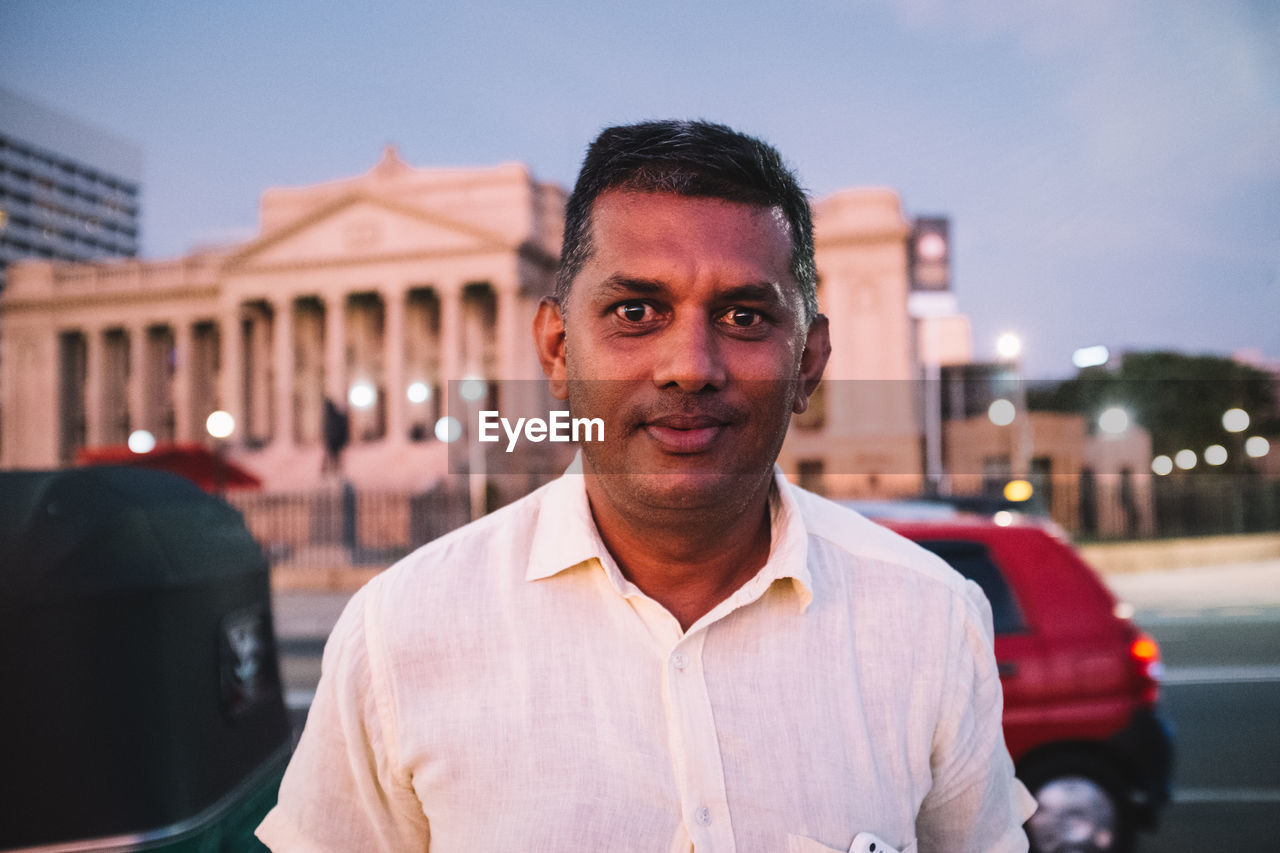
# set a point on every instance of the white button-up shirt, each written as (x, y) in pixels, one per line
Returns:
(506, 687)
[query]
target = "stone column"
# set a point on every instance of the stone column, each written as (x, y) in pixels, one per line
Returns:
(450, 335)
(393, 306)
(137, 393)
(335, 349)
(283, 357)
(183, 427)
(94, 417)
(259, 374)
(513, 341)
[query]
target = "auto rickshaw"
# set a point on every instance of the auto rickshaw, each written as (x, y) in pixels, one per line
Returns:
(140, 697)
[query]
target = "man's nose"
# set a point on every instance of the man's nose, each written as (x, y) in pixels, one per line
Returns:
(689, 357)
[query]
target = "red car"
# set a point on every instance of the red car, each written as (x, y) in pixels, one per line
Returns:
(1081, 681)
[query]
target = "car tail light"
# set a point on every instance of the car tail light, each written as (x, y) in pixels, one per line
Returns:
(1146, 659)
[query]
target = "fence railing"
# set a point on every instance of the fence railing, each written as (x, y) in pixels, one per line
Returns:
(1216, 505)
(341, 527)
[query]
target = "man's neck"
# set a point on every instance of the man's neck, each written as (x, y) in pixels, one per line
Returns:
(688, 561)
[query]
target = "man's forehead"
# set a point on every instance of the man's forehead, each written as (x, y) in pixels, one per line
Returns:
(650, 241)
(618, 199)
(667, 221)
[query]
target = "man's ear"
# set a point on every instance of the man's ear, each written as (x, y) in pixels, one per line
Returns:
(817, 349)
(548, 338)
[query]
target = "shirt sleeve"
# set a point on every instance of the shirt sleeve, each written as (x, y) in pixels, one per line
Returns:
(344, 789)
(975, 804)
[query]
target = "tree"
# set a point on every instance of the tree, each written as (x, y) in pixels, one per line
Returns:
(1178, 398)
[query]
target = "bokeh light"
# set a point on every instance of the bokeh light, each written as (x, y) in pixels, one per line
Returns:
(1215, 454)
(362, 395)
(220, 424)
(418, 392)
(1009, 346)
(1001, 412)
(1018, 491)
(1113, 421)
(1162, 465)
(141, 441)
(472, 389)
(1185, 459)
(1090, 356)
(1257, 446)
(1235, 420)
(448, 429)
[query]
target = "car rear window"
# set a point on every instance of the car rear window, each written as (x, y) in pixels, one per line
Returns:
(973, 560)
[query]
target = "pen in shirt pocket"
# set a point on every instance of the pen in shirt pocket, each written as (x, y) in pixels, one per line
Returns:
(863, 842)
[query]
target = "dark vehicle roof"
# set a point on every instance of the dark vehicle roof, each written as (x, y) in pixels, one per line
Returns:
(138, 656)
(73, 532)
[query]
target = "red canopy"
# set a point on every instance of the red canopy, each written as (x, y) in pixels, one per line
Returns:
(209, 470)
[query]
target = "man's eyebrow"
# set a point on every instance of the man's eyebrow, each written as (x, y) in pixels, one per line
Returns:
(621, 285)
(625, 285)
(761, 291)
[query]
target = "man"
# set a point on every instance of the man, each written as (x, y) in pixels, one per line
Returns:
(670, 647)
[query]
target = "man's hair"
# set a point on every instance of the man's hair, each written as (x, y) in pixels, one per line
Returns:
(689, 158)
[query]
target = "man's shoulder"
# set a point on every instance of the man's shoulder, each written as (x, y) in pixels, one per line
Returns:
(847, 532)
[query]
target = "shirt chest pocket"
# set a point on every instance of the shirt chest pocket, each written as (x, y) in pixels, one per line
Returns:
(863, 842)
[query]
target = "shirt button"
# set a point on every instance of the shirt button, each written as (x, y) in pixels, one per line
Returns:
(680, 660)
(703, 816)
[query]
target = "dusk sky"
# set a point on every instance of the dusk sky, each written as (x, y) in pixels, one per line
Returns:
(1111, 170)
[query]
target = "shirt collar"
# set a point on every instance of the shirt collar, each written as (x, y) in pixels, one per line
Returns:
(566, 537)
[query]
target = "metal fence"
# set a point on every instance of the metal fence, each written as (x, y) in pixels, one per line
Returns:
(341, 527)
(1209, 505)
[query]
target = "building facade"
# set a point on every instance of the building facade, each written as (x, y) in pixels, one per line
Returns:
(372, 293)
(68, 191)
(355, 290)
(376, 299)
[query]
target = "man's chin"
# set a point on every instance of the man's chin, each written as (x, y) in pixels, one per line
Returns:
(683, 490)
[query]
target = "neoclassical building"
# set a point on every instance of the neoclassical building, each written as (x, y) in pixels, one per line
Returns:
(374, 292)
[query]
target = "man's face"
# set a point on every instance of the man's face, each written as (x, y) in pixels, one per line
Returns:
(685, 334)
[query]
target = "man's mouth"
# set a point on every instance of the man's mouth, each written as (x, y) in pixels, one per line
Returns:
(684, 433)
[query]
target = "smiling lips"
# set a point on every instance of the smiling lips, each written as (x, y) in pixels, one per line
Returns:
(685, 433)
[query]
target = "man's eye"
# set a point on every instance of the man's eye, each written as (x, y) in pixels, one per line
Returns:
(633, 312)
(742, 317)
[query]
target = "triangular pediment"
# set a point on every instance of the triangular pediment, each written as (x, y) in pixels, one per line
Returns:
(362, 228)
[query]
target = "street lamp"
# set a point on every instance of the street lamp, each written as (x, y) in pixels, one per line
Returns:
(1090, 356)
(1009, 346)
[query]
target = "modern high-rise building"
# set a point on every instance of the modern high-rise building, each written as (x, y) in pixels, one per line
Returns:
(68, 191)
